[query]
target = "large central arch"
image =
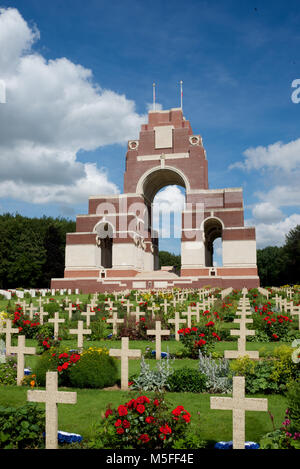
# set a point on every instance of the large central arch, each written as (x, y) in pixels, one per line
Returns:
(153, 180)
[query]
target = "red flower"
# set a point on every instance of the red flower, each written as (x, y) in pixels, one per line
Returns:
(140, 408)
(149, 419)
(275, 336)
(156, 402)
(144, 438)
(120, 431)
(165, 429)
(178, 410)
(210, 323)
(59, 369)
(126, 424)
(194, 329)
(122, 410)
(108, 412)
(118, 423)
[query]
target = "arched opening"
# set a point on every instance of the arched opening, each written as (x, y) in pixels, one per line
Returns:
(167, 208)
(104, 232)
(212, 231)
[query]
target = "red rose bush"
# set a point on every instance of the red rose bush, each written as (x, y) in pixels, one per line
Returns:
(143, 422)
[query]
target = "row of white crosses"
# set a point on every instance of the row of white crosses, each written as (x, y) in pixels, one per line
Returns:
(238, 403)
(243, 310)
(287, 306)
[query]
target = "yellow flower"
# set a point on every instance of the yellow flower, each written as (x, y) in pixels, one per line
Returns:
(32, 383)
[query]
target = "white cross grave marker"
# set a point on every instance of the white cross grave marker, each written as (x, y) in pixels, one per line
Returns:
(157, 332)
(56, 322)
(21, 350)
(176, 321)
(114, 321)
(238, 403)
(80, 332)
(125, 353)
(51, 396)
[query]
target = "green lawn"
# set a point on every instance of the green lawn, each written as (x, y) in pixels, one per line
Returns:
(215, 425)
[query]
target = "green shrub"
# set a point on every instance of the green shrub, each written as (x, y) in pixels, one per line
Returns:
(22, 428)
(187, 380)
(8, 371)
(46, 362)
(153, 379)
(95, 369)
(293, 403)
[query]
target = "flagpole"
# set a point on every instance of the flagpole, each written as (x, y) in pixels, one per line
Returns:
(153, 96)
(181, 94)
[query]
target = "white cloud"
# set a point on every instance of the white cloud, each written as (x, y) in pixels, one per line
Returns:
(273, 234)
(168, 205)
(283, 196)
(267, 212)
(277, 155)
(53, 110)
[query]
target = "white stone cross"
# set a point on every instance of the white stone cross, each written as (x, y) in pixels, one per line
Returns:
(125, 353)
(51, 396)
(153, 308)
(157, 332)
(165, 305)
(110, 308)
(8, 330)
(242, 333)
(56, 322)
(189, 313)
(176, 321)
(70, 309)
(88, 313)
(114, 321)
(296, 312)
(80, 332)
(137, 313)
(21, 350)
(31, 309)
(40, 301)
(128, 306)
(238, 403)
(41, 314)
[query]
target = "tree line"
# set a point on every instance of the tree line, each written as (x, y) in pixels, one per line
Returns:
(32, 251)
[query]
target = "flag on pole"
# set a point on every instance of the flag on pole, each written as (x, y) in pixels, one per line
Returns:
(154, 97)
(181, 93)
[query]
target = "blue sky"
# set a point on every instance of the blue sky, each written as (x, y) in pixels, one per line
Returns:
(79, 80)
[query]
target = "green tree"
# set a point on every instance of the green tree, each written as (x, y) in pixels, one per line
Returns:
(167, 258)
(271, 263)
(292, 253)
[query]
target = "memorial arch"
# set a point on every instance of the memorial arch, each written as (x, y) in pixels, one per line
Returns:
(167, 152)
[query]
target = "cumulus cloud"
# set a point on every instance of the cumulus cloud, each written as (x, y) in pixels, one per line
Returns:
(279, 155)
(53, 110)
(267, 212)
(273, 234)
(167, 208)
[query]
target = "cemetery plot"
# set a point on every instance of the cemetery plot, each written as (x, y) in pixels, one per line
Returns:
(233, 345)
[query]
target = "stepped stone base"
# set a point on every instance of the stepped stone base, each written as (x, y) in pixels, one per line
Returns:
(235, 278)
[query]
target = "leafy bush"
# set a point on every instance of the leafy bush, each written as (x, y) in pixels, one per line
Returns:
(153, 380)
(217, 373)
(267, 376)
(100, 329)
(22, 428)
(199, 338)
(46, 362)
(187, 380)
(293, 403)
(141, 423)
(95, 369)
(8, 371)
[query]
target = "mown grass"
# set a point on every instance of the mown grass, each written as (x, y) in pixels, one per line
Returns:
(215, 425)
